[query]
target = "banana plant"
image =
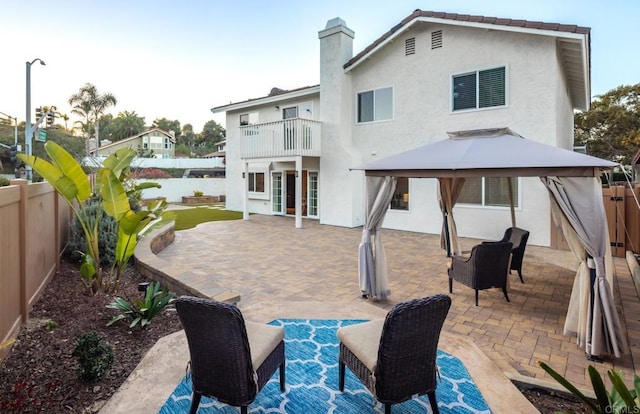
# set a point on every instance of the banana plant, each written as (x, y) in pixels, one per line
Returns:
(68, 178)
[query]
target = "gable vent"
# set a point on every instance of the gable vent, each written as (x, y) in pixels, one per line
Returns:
(436, 39)
(410, 46)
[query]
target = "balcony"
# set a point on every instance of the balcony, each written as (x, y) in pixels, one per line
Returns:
(286, 138)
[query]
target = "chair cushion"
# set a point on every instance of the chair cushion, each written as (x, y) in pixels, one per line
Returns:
(363, 340)
(262, 341)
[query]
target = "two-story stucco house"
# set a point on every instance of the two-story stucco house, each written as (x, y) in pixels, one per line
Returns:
(291, 152)
(154, 141)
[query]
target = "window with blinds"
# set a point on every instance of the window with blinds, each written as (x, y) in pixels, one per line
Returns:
(489, 191)
(481, 89)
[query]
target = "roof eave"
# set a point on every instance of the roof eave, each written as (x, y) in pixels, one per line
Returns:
(312, 90)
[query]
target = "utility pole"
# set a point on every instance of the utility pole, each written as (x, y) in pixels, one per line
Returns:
(28, 130)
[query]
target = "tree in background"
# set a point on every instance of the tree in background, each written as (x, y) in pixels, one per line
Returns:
(611, 127)
(127, 124)
(105, 126)
(89, 104)
(212, 133)
(168, 126)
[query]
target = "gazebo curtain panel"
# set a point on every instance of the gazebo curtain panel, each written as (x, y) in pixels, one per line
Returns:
(592, 315)
(372, 265)
(449, 190)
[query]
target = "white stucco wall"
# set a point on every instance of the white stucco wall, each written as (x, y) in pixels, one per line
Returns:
(537, 107)
(422, 114)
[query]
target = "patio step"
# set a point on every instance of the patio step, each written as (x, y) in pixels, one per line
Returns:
(178, 279)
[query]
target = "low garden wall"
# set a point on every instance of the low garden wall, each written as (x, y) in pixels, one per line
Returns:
(173, 189)
(178, 279)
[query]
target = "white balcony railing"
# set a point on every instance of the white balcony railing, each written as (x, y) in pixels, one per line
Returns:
(289, 137)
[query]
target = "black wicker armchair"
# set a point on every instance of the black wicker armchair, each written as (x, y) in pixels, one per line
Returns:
(395, 357)
(518, 237)
(231, 360)
(486, 268)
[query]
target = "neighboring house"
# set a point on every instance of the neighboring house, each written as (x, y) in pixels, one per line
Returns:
(219, 152)
(290, 153)
(161, 144)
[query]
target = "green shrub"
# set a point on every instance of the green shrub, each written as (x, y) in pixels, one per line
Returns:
(107, 233)
(4, 181)
(142, 311)
(94, 357)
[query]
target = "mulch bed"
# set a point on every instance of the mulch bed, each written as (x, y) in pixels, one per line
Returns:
(41, 376)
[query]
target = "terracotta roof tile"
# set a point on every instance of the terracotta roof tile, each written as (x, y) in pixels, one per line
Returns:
(567, 28)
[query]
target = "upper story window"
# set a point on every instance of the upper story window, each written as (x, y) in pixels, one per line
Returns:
(480, 89)
(288, 113)
(249, 119)
(167, 143)
(156, 142)
(489, 191)
(375, 105)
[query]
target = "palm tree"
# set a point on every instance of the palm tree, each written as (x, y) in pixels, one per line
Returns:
(90, 105)
(126, 125)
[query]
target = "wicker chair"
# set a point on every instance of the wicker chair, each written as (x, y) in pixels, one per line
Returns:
(486, 268)
(518, 237)
(395, 357)
(231, 360)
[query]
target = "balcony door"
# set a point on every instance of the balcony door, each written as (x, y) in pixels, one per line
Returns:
(289, 126)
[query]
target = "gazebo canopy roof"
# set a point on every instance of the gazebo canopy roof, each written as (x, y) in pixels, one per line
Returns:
(495, 152)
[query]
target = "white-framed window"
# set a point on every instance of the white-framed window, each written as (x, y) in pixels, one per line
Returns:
(156, 142)
(375, 105)
(400, 199)
(250, 118)
(167, 143)
(246, 120)
(490, 192)
(479, 89)
(256, 182)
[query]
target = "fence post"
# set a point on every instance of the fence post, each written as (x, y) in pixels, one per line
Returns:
(24, 200)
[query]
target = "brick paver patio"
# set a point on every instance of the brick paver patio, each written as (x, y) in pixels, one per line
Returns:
(266, 260)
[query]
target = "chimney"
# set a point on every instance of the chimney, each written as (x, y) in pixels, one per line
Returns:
(336, 48)
(336, 43)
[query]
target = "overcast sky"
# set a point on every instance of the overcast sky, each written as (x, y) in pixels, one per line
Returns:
(178, 59)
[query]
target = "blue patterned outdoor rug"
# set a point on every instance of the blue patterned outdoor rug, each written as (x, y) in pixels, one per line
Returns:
(311, 350)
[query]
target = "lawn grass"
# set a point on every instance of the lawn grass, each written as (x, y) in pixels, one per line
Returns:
(189, 218)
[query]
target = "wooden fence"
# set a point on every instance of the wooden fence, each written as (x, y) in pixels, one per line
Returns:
(34, 223)
(623, 217)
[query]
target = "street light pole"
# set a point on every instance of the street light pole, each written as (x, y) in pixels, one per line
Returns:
(28, 130)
